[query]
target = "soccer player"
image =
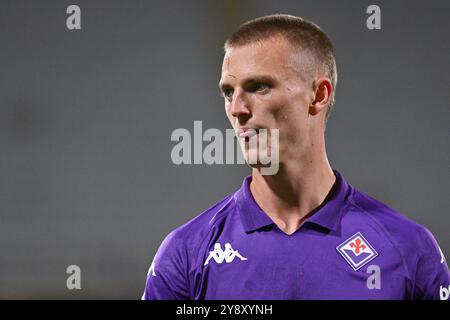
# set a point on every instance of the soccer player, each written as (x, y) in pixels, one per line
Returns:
(304, 232)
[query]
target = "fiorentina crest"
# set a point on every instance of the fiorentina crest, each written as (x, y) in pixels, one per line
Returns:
(357, 251)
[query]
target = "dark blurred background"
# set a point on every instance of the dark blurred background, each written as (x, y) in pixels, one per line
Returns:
(86, 117)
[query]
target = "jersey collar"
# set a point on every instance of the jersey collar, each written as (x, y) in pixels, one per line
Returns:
(328, 215)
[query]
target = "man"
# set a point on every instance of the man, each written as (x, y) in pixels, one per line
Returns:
(304, 232)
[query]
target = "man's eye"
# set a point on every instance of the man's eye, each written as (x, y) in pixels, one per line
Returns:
(228, 93)
(257, 87)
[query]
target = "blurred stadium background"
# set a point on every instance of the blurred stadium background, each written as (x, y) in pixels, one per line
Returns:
(86, 117)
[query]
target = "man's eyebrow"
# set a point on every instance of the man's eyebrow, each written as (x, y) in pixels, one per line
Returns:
(249, 80)
(261, 78)
(223, 86)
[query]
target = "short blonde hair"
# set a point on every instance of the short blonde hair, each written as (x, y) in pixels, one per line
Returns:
(300, 33)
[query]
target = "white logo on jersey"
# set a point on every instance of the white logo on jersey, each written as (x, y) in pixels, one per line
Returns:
(442, 255)
(220, 255)
(444, 293)
(151, 270)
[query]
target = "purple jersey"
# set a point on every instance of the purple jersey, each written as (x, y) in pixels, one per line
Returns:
(352, 247)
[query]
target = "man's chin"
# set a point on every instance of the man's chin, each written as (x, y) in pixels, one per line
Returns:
(269, 169)
(258, 162)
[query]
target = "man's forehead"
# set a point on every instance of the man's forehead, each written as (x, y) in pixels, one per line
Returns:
(272, 56)
(270, 50)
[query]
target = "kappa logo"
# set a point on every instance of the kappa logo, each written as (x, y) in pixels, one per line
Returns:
(226, 255)
(357, 251)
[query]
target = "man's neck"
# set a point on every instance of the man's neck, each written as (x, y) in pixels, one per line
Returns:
(292, 195)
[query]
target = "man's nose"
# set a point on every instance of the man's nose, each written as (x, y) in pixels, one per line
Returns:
(239, 105)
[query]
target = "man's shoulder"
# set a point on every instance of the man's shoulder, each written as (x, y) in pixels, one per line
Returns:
(416, 246)
(201, 225)
(402, 231)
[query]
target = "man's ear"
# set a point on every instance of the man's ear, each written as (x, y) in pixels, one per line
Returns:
(323, 91)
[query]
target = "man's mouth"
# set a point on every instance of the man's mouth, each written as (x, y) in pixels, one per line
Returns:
(246, 134)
